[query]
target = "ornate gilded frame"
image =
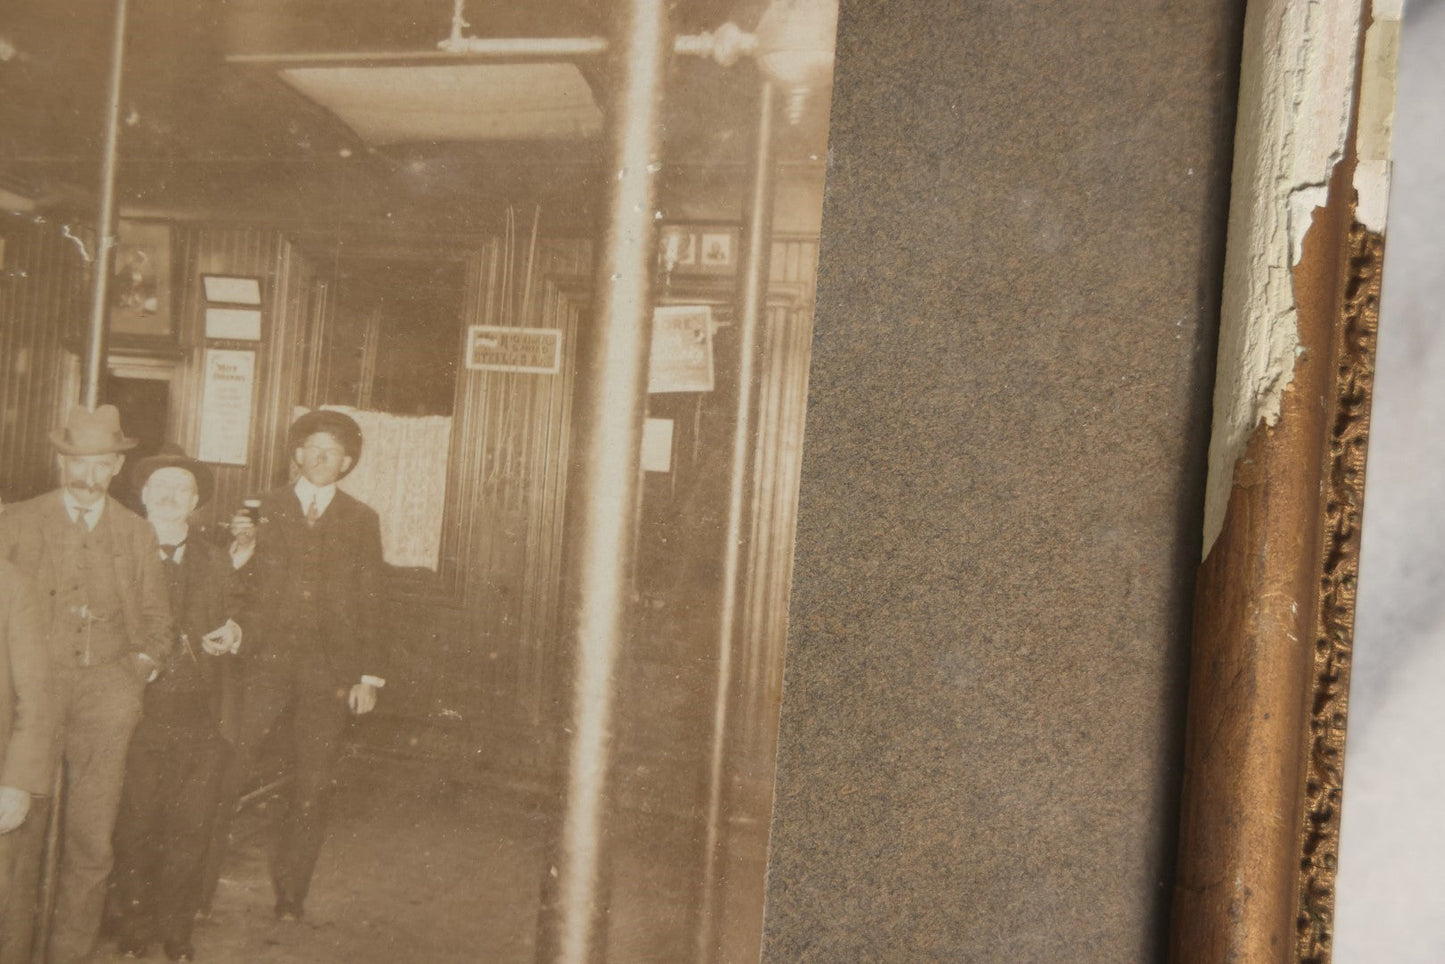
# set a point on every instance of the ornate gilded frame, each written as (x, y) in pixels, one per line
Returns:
(1275, 599)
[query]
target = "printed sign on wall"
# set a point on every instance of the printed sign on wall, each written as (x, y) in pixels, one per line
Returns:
(230, 381)
(492, 348)
(681, 349)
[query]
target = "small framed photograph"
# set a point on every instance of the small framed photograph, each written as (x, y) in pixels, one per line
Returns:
(140, 288)
(698, 249)
(716, 250)
(231, 290)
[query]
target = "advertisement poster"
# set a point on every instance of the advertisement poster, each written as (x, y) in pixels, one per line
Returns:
(226, 406)
(681, 350)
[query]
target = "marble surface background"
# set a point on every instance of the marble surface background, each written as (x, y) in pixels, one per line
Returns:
(1389, 901)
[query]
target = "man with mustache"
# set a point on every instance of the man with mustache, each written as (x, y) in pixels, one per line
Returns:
(107, 623)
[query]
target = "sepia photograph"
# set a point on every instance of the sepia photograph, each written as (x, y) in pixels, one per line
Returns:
(411, 548)
(401, 412)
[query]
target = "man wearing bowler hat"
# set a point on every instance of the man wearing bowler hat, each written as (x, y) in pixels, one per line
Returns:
(311, 632)
(107, 622)
(173, 773)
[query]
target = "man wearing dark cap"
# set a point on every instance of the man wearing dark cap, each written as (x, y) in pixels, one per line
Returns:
(107, 620)
(173, 774)
(27, 729)
(311, 633)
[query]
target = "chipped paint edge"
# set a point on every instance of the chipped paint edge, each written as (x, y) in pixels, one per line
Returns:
(1376, 124)
(1297, 83)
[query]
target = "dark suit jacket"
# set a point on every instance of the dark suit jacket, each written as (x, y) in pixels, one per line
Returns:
(195, 679)
(348, 585)
(27, 533)
(27, 716)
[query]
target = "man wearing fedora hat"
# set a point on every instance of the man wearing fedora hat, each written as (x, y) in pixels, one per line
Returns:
(108, 627)
(173, 773)
(311, 632)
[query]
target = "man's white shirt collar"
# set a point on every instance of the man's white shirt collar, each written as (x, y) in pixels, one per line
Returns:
(74, 509)
(178, 549)
(306, 492)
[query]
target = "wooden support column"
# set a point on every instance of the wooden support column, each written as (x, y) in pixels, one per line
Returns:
(96, 333)
(604, 511)
(752, 303)
(93, 367)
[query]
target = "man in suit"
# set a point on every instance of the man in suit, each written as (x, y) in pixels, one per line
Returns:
(27, 728)
(311, 631)
(108, 631)
(174, 770)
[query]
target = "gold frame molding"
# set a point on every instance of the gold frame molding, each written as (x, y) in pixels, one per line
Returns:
(1275, 596)
(1343, 497)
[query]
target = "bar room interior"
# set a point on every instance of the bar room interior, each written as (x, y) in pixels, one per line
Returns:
(557, 259)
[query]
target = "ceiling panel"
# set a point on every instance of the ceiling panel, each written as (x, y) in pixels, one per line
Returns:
(462, 102)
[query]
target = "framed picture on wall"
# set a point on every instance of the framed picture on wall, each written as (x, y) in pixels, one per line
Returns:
(691, 249)
(140, 283)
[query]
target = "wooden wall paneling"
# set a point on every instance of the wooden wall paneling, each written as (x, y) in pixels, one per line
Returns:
(192, 249)
(483, 269)
(511, 441)
(546, 496)
(280, 378)
(777, 464)
(286, 369)
(775, 485)
(41, 286)
(484, 549)
(186, 383)
(318, 315)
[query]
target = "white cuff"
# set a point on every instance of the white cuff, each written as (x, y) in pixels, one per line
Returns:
(376, 681)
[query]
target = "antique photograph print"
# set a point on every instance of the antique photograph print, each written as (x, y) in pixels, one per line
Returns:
(401, 406)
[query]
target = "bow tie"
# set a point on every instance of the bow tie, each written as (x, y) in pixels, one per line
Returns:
(168, 553)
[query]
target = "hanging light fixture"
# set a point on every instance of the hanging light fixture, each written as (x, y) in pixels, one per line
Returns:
(795, 48)
(793, 45)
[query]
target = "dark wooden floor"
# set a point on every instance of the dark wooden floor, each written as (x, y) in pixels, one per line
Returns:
(419, 866)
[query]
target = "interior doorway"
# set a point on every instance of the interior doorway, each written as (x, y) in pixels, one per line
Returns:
(144, 400)
(393, 341)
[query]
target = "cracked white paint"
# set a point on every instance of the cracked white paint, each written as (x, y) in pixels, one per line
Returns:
(1375, 127)
(1296, 83)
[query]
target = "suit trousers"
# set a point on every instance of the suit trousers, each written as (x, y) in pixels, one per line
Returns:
(319, 717)
(100, 706)
(20, 855)
(163, 831)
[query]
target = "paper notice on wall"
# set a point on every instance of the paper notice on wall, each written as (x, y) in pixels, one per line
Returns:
(657, 445)
(230, 383)
(681, 349)
(493, 348)
(239, 323)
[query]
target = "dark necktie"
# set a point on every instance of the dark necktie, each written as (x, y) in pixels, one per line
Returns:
(168, 553)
